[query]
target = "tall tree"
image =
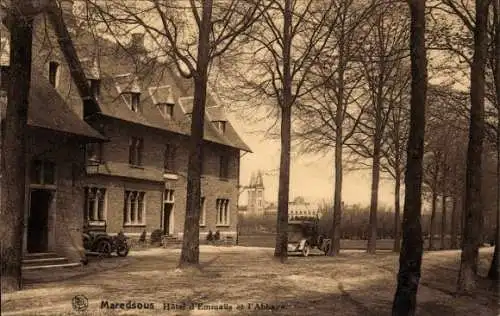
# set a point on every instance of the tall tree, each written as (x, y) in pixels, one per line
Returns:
(20, 22)
(473, 203)
(218, 25)
(393, 150)
(494, 271)
(277, 67)
(410, 258)
(382, 57)
(330, 116)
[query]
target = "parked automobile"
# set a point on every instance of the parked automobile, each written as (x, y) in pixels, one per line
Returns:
(101, 243)
(303, 235)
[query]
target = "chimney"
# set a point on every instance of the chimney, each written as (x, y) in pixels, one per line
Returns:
(67, 11)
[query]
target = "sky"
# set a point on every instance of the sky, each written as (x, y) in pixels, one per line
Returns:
(311, 176)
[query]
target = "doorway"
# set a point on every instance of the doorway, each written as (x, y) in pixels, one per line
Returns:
(38, 221)
(167, 212)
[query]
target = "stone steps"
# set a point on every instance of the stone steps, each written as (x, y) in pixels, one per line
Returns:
(46, 260)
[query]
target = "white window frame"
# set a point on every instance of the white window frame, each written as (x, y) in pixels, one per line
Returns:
(169, 196)
(96, 219)
(129, 98)
(203, 213)
(223, 212)
(136, 150)
(132, 208)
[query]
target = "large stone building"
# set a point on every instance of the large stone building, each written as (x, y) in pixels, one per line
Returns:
(257, 205)
(255, 190)
(134, 180)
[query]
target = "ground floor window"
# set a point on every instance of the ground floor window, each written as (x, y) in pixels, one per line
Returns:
(222, 206)
(95, 204)
(134, 208)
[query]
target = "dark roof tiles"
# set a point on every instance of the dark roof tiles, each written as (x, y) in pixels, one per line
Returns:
(48, 110)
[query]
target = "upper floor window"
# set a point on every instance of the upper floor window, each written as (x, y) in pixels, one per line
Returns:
(223, 167)
(202, 211)
(134, 208)
(222, 206)
(136, 147)
(95, 87)
(42, 172)
(95, 204)
(94, 152)
(54, 73)
(169, 158)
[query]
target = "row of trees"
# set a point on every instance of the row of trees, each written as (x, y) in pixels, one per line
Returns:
(339, 76)
(355, 225)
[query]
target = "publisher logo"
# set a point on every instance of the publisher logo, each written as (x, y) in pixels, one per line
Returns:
(80, 303)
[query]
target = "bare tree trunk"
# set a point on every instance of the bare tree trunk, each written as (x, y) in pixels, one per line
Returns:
(14, 150)
(410, 258)
(337, 202)
(454, 223)
(372, 237)
(433, 218)
(473, 203)
(494, 271)
(280, 250)
(337, 207)
(397, 211)
(443, 222)
(191, 239)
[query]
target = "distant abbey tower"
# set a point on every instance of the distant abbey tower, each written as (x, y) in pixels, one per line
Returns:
(255, 189)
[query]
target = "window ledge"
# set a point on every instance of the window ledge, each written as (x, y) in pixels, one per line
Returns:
(170, 175)
(134, 225)
(203, 225)
(136, 166)
(96, 223)
(223, 225)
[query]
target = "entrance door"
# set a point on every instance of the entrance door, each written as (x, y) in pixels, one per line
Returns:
(167, 210)
(38, 220)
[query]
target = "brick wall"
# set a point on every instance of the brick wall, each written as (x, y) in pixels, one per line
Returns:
(65, 213)
(116, 151)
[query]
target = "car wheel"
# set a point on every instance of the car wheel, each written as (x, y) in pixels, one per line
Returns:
(305, 251)
(104, 248)
(327, 250)
(122, 251)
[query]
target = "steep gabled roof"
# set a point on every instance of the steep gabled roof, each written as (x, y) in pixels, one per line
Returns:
(47, 109)
(157, 83)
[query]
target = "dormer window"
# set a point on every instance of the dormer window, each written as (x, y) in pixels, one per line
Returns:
(95, 88)
(54, 73)
(167, 110)
(221, 126)
(133, 99)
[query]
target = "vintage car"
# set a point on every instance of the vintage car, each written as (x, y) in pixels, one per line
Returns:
(98, 242)
(303, 235)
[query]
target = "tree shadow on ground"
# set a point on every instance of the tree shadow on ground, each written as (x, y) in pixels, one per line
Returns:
(348, 284)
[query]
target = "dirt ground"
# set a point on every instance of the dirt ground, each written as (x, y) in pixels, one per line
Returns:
(246, 281)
